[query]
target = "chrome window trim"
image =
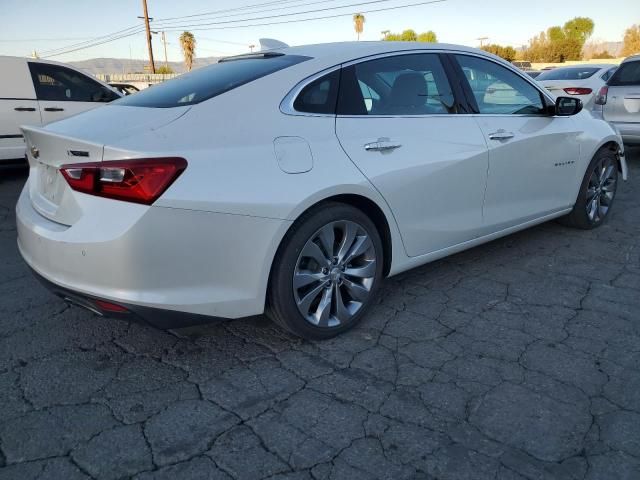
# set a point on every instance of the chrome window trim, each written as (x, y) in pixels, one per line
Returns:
(286, 105)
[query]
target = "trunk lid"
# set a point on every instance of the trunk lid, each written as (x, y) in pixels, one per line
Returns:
(556, 87)
(80, 139)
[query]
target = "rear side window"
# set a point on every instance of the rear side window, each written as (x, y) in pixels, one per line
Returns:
(62, 84)
(412, 84)
(607, 75)
(568, 73)
(627, 75)
(208, 82)
(320, 95)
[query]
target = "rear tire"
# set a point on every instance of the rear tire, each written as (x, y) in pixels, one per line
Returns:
(597, 193)
(326, 272)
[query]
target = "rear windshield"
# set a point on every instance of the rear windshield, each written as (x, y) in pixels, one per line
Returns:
(627, 75)
(577, 73)
(208, 82)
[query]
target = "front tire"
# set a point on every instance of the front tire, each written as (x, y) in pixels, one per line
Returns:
(597, 192)
(326, 272)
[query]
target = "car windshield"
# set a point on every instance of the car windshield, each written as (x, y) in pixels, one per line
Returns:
(573, 73)
(208, 82)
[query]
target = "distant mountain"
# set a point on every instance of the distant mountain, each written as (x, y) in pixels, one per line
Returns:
(97, 66)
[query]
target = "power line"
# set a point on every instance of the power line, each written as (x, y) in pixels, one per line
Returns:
(267, 17)
(96, 44)
(245, 7)
(168, 23)
(95, 39)
(298, 20)
(226, 25)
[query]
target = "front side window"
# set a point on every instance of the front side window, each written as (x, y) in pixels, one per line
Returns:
(210, 81)
(498, 90)
(414, 84)
(627, 75)
(61, 84)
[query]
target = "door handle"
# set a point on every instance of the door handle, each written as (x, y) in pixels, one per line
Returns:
(25, 109)
(381, 146)
(501, 135)
(54, 109)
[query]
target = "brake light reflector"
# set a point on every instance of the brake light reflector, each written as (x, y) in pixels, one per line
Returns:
(577, 91)
(110, 307)
(138, 180)
(601, 97)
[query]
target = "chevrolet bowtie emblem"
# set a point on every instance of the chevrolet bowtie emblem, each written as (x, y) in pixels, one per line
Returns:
(35, 153)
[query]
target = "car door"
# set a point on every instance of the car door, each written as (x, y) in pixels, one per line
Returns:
(63, 92)
(18, 106)
(623, 98)
(398, 120)
(533, 168)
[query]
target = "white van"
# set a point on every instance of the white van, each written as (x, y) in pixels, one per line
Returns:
(35, 92)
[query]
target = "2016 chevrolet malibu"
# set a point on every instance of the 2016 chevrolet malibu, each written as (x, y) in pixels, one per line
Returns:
(292, 181)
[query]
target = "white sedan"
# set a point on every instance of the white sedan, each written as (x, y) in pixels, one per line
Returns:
(292, 181)
(577, 81)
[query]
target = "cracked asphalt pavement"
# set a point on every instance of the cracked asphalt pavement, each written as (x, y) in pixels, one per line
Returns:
(518, 359)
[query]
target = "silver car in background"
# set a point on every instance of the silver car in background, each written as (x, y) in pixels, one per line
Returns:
(618, 102)
(578, 81)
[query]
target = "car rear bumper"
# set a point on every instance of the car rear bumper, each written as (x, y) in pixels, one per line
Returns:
(174, 260)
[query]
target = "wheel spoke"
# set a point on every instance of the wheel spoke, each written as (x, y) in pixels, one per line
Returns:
(358, 292)
(607, 172)
(591, 192)
(305, 302)
(304, 277)
(342, 312)
(312, 250)
(327, 239)
(366, 271)
(360, 246)
(591, 208)
(323, 312)
(349, 234)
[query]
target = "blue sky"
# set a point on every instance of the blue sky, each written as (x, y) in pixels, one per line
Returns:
(44, 25)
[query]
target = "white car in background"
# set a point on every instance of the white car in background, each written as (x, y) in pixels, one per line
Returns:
(577, 81)
(37, 92)
(293, 181)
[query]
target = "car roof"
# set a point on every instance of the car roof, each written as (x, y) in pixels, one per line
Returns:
(632, 58)
(339, 52)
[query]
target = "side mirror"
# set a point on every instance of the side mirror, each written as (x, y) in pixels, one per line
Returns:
(567, 106)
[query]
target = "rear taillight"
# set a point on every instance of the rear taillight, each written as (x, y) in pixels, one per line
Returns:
(139, 180)
(601, 97)
(577, 91)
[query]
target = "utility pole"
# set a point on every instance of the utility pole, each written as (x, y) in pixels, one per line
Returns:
(146, 24)
(482, 39)
(164, 42)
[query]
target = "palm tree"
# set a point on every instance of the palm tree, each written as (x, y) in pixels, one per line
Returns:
(188, 44)
(358, 23)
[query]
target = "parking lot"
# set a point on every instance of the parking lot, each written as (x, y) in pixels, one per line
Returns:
(516, 359)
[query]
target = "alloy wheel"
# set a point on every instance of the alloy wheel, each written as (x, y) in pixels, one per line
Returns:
(601, 190)
(334, 274)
